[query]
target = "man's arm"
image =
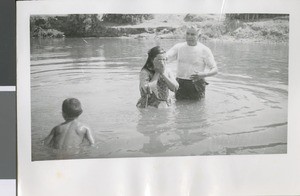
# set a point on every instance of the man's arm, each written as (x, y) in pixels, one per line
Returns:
(171, 81)
(210, 63)
(201, 75)
(172, 53)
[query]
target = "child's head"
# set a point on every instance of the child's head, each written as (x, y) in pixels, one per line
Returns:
(71, 108)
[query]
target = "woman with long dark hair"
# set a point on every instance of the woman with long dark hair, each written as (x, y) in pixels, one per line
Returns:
(156, 80)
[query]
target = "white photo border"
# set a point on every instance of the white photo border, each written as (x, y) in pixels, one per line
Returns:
(201, 175)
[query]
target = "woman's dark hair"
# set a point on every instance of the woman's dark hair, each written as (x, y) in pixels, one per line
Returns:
(152, 53)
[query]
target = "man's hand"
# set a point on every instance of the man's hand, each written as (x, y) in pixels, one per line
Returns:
(198, 75)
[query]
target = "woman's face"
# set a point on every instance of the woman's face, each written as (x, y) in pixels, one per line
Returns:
(160, 60)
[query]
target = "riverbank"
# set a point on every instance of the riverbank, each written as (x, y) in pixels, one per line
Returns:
(213, 27)
(166, 26)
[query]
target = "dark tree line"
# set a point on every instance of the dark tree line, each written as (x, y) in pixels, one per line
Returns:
(76, 25)
(95, 25)
(126, 18)
(253, 17)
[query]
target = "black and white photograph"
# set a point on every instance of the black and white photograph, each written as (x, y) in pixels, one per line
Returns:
(158, 97)
(110, 85)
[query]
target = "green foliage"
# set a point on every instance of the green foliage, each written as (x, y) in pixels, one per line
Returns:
(126, 18)
(52, 33)
(41, 26)
(252, 17)
(194, 18)
(240, 21)
(213, 31)
(80, 25)
(231, 25)
(74, 25)
(38, 21)
(267, 26)
(238, 26)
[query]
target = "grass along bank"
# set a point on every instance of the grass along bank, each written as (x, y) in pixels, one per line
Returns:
(212, 27)
(234, 27)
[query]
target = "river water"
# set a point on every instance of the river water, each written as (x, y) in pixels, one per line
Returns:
(244, 111)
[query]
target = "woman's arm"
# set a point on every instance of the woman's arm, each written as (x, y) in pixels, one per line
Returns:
(147, 82)
(170, 80)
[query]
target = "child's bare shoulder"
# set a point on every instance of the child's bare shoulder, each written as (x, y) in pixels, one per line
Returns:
(57, 128)
(82, 126)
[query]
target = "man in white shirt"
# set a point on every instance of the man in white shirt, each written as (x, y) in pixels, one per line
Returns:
(195, 62)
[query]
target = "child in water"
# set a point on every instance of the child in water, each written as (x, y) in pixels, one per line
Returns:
(70, 133)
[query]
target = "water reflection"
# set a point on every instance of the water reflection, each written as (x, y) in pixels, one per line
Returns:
(155, 144)
(155, 124)
(190, 121)
(170, 129)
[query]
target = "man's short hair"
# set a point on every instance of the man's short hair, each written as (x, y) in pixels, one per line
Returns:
(194, 27)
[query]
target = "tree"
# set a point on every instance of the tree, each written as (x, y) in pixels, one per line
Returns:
(82, 25)
(126, 18)
(252, 17)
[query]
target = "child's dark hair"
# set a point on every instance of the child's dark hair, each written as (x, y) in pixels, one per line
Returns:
(152, 53)
(71, 107)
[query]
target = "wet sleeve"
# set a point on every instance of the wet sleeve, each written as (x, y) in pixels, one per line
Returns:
(210, 60)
